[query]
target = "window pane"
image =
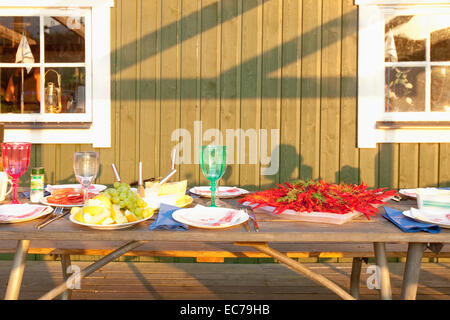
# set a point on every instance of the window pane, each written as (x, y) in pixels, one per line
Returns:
(405, 38)
(440, 89)
(11, 31)
(65, 90)
(14, 90)
(440, 38)
(64, 39)
(405, 89)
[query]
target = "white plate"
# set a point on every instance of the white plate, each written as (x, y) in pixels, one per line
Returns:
(413, 192)
(210, 218)
(109, 226)
(317, 217)
(13, 213)
(440, 219)
(44, 201)
(94, 188)
(222, 192)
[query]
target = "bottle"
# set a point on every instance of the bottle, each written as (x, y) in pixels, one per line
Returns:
(37, 184)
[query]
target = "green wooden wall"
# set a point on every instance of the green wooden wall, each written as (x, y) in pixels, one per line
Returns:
(263, 64)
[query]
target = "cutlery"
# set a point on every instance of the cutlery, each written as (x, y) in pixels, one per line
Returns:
(141, 189)
(116, 173)
(57, 214)
(252, 216)
(154, 189)
(174, 153)
(247, 227)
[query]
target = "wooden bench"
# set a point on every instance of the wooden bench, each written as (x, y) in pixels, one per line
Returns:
(215, 252)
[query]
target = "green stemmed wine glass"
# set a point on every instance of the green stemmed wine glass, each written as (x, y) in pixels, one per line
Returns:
(213, 163)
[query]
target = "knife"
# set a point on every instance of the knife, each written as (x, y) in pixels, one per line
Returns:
(252, 216)
(116, 173)
(58, 216)
(141, 189)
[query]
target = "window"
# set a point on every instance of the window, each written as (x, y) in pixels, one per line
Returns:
(54, 71)
(403, 72)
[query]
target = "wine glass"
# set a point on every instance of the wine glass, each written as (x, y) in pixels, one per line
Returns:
(85, 166)
(15, 158)
(213, 163)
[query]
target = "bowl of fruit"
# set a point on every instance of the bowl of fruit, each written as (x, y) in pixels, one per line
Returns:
(115, 208)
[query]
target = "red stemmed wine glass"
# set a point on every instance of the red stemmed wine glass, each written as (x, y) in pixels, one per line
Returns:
(16, 158)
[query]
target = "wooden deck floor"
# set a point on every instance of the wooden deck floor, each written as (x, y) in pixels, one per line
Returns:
(195, 281)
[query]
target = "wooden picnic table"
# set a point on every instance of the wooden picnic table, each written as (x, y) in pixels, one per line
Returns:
(274, 233)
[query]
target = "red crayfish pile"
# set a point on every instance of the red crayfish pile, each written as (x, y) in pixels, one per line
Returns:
(320, 196)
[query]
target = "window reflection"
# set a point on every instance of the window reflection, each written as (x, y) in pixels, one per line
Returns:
(405, 38)
(440, 38)
(405, 89)
(70, 83)
(12, 29)
(440, 89)
(64, 39)
(19, 95)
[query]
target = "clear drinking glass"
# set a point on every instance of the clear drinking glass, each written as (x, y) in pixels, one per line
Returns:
(213, 164)
(85, 166)
(16, 158)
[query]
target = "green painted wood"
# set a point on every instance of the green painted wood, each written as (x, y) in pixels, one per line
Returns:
(210, 68)
(190, 97)
(230, 107)
(428, 164)
(388, 167)
(251, 50)
(349, 156)
(271, 88)
(310, 104)
(409, 165)
(128, 98)
(290, 91)
(330, 93)
(444, 165)
(250, 65)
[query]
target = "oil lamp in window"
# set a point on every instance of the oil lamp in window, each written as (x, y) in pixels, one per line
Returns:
(53, 95)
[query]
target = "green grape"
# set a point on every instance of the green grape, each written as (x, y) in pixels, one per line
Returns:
(115, 200)
(139, 212)
(122, 204)
(108, 195)
(124, 185)
(141, 203)
(127, 203)
(122, 196)
(117, 184)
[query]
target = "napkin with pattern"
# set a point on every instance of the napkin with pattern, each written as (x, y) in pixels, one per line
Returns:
(407, 224)
(165, 221)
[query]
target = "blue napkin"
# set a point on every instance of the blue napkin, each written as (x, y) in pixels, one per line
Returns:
(165, 221)
(407, 224)
(26, 194)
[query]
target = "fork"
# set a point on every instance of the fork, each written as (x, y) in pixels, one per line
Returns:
(58, 213)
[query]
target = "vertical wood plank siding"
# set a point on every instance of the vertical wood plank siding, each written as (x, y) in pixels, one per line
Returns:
(289, 65)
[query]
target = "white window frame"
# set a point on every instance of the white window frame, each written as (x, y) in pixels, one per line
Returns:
(98, 91)
(371, 77)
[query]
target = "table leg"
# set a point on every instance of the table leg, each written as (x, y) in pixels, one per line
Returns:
(92, 268)
(381, 261)
(298, 267)
(16, 275)
(412, 270)
(65, 264)
(355, 278)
